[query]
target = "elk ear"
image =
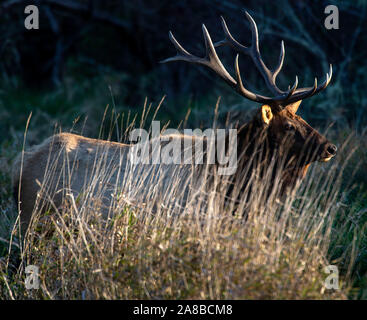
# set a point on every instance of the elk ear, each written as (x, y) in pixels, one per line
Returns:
(293, 107)
(266, 114)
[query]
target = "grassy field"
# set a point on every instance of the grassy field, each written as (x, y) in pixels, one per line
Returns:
(204, 253)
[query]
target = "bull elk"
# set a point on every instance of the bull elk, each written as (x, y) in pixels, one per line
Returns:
(275, 120)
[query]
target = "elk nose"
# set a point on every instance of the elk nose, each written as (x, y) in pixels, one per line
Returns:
(331, 149)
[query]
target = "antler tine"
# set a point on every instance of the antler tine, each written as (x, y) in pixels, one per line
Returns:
(243, 91)
(254, 52)
(303, 93)
(293, 89)
(229, 40)
(210, 60)
(214, 63)
(281, 60)
(182, 54)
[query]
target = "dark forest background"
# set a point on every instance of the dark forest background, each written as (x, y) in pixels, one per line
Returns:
(90, 53)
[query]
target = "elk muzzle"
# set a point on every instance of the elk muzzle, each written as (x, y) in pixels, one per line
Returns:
(329, 152)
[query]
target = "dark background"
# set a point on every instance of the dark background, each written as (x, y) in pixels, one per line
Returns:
(90, 53)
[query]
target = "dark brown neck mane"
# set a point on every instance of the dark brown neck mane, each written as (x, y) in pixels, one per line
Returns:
(257, 153)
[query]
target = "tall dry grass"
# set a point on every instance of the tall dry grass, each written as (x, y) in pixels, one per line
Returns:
(167, 248)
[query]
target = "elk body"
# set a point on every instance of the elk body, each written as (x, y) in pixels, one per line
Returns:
(276, 131)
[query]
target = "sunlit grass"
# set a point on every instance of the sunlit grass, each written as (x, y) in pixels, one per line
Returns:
(204, 250)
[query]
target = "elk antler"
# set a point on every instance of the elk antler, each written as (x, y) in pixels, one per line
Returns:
(212, 61)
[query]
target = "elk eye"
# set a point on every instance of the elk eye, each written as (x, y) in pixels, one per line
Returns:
(288, 127)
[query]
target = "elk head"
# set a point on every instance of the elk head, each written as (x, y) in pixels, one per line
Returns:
(286, 132)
